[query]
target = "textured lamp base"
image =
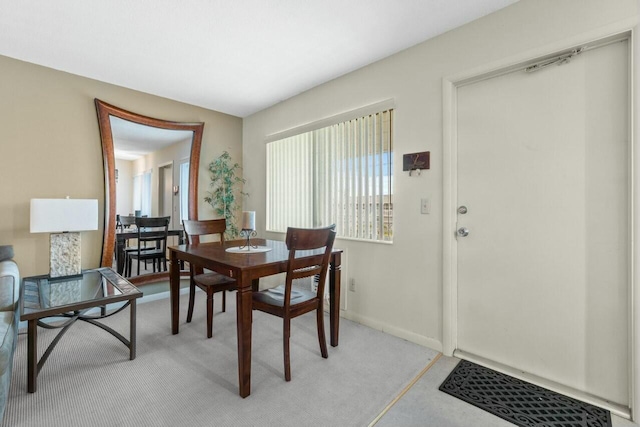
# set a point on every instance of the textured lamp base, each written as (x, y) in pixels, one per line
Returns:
(65, 255)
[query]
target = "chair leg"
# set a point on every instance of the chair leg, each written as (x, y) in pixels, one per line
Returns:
(192, 297)
(287, 360)
(224, 301)
(321, 336)
(138, 266)
(209, 312)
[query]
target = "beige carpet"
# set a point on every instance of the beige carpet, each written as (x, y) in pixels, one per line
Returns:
(189, 380)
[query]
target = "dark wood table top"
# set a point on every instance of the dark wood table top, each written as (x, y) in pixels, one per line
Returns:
(256, 264)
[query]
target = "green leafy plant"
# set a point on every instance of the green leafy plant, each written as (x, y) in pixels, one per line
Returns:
(222, 197)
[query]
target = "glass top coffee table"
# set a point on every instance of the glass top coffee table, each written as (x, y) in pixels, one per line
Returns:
(72, 297)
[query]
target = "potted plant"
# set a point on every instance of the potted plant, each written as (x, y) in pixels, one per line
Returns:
(222, 197)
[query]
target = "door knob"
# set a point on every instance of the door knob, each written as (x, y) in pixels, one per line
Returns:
(463, 232)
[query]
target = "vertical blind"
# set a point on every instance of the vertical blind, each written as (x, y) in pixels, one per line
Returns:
(340, 174)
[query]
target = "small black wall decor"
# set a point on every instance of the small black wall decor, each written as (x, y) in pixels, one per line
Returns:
(415, 161)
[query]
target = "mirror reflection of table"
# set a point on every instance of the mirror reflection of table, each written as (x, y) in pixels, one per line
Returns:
(121, 243)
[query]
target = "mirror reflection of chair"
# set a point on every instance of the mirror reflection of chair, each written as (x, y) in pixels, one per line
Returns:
(123, 223)
(210, 282)
(127, 223)
(152, 244)
(287, 302)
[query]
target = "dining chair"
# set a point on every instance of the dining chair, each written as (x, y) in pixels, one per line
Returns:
(287, 302)
(152, 243)
(125, 222)
(209, 282)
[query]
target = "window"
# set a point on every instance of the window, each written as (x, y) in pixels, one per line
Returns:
(338, 174)
(142, 193)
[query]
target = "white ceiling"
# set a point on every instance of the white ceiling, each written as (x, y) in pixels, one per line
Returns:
(237, 57)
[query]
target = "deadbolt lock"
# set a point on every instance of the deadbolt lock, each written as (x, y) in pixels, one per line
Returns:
(463, 232)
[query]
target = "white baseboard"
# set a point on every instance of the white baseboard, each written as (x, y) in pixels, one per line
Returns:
(429, 342)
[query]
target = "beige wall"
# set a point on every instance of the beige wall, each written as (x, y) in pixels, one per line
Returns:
(399, 286)
(50, 147)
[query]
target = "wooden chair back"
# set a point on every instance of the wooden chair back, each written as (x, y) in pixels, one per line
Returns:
(298, 241)
(193, 229)
(153, 230)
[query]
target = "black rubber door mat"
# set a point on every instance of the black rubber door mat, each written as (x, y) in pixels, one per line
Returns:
(520, 402)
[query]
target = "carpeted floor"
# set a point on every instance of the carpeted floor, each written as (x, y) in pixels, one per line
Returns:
(187, 379)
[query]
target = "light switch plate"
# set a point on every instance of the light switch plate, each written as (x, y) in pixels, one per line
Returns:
(425, 206)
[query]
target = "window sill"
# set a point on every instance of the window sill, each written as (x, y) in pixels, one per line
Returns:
(351, 239)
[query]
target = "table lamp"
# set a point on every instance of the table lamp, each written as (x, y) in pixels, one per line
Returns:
(64, 219)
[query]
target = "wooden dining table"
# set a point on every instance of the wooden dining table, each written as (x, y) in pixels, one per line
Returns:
(247, 268)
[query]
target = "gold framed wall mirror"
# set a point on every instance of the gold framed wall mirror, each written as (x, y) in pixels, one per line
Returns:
(127, 138)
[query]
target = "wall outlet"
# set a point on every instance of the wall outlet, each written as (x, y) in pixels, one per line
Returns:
(352, 285)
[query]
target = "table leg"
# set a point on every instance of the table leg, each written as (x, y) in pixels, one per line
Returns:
(32, 355)
(174, 291)
(120, 244)
(334, 298)
(181, 242)
(243, 310)
(132, 330)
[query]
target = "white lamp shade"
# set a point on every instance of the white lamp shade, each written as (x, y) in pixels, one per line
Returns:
(57, 215)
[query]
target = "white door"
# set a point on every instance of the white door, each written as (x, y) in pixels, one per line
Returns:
(543, 170)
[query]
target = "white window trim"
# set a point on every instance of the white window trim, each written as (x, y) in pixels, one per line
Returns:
(388, 104)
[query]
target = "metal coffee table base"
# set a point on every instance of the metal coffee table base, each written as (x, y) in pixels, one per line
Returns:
(34, 366)
(70, 299)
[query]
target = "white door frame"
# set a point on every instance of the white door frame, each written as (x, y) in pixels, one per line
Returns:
(449, 259)
(164, 192)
